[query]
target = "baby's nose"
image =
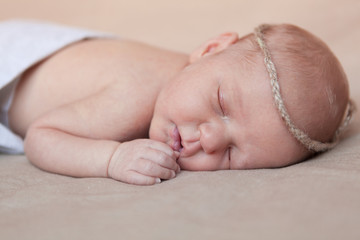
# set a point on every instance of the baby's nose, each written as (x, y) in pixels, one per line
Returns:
(190, 148)
(213, 138)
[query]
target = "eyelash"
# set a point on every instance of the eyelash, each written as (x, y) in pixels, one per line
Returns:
(229, 149)
(221, 101)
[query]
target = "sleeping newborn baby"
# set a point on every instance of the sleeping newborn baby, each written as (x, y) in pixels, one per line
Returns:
(98, 106)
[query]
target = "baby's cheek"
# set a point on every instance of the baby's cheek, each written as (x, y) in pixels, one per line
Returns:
(200, 162)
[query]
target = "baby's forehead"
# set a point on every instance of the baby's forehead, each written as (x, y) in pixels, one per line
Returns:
(244, 61)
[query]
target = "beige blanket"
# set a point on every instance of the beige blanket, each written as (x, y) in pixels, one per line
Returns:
(316, 199)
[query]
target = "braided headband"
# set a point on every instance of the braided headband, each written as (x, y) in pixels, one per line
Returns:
(301, 136)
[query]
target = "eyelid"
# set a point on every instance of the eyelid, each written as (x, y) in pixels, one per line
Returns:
(221, 101)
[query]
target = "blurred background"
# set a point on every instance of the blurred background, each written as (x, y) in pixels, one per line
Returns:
(183, 25)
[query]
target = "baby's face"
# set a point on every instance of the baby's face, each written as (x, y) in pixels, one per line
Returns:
(220, 115)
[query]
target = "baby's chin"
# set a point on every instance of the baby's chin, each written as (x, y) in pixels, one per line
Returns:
(152, 130)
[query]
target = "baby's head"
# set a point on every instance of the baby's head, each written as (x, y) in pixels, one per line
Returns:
(223, 110)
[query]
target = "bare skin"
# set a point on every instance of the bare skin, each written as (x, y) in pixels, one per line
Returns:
(89, 92)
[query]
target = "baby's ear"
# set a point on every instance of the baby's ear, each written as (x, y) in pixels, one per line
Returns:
(214, 45)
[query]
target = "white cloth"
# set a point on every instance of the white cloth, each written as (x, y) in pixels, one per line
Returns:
(23, 43)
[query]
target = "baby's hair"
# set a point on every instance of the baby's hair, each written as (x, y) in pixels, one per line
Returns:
(340, 107)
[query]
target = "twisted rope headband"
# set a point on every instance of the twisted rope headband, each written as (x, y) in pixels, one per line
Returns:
(301, 136)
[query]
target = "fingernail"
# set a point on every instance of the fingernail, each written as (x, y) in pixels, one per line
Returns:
(173, 174)
(158, 180)
(178, 169)
(177, 154)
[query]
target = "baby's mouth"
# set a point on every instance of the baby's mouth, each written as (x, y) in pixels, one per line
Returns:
(176, 145)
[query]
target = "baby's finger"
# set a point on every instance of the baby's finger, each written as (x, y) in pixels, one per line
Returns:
(136, 178)
(163, 147)
(152, 169)
(162, 159)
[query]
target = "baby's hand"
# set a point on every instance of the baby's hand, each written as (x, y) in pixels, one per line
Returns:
(143, 162)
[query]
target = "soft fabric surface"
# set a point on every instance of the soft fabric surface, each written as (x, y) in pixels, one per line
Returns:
(316, 199)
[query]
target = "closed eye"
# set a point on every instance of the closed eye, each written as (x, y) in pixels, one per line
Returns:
(221, 101)
(229, 152)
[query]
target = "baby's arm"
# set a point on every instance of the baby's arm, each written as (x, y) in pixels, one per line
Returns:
(70, 140)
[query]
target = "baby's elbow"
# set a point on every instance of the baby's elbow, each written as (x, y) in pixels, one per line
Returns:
(34, 145)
